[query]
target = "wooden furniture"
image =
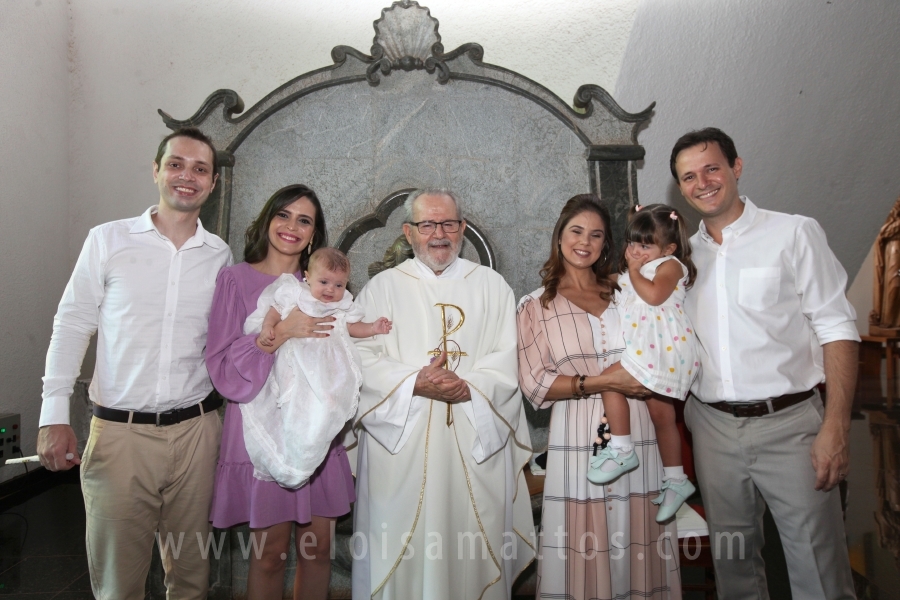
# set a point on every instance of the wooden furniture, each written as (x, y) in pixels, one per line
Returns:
(872, 350)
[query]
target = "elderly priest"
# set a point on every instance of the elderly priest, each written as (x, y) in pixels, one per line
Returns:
(442, 510)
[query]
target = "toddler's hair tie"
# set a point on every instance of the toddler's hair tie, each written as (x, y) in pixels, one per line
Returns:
(673, 215)
(637, 208)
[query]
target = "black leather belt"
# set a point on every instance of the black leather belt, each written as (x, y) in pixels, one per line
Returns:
(766, 407)
(210, 403)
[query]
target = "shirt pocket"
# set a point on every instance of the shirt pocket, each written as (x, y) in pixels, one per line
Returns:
(758, 288)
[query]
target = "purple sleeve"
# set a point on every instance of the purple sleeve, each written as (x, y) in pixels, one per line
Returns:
(237, 367)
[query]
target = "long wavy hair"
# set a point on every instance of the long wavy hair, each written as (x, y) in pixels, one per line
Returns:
(555, 267)
(654, 224)
(256, 239)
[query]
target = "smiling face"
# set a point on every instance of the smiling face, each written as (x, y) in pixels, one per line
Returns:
(326, 285)
(709, 184)
(291, 228)
(581, 240)
(438, 249)
(185, 175)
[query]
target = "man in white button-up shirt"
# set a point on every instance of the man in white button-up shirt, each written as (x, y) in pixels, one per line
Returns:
(770, 311)
(145, 285)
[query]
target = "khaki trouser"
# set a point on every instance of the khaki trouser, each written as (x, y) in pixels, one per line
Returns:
(140, 479)
(744, 463)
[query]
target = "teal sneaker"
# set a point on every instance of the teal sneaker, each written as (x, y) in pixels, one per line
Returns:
(600, 473)
(682, 490)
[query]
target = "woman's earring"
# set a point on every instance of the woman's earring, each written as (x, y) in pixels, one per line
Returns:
(309, 248)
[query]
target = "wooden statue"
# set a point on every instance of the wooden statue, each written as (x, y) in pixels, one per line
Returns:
(885, 314)
(396, 253)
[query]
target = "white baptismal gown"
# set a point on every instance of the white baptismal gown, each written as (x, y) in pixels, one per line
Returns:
(312, 390)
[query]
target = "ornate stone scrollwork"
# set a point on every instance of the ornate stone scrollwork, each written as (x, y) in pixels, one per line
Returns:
(586, 94)
(229, 99)
(406, 38)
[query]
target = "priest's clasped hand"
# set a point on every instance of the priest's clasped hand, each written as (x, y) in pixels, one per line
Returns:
(438, 383)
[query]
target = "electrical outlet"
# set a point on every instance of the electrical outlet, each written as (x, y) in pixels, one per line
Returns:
(10, 430)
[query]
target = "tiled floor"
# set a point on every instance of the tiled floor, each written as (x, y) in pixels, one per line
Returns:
(42, 553)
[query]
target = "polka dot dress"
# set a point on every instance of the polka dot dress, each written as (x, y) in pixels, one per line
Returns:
(660, 345)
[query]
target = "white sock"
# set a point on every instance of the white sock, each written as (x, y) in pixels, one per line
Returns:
(674, 472)
(622, 443)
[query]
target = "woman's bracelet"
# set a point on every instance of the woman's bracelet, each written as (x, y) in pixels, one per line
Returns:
(578, 386)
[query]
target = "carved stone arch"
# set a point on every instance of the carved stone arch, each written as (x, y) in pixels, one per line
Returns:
(411, 115)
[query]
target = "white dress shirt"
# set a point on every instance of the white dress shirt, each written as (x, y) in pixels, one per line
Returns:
(763, 304)
(150, 303)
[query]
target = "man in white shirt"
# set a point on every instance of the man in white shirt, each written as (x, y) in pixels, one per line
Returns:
(770, 311)
(442, 508)
(145, 285)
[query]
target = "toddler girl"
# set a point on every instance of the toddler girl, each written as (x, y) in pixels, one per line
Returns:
(660, 348)
(313, 388)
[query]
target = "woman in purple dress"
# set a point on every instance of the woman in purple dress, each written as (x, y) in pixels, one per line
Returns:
(289, 228)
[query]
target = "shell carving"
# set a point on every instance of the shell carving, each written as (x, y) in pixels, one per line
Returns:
(406, 31)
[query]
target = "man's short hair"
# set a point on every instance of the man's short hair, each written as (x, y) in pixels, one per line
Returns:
(414, 195)
(194, 134)
(703, 136)
(330, 259)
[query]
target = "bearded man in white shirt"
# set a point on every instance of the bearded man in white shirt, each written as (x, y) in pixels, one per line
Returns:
(770, 311)
(145, 285)
(442, 508)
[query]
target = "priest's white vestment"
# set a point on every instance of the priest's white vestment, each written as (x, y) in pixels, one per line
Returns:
(442, 509)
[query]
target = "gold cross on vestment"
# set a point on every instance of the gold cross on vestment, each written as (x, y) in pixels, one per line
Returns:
(453, 356)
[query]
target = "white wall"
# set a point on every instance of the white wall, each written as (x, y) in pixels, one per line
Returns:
(34, 219)
(861, 291)
(808, 89)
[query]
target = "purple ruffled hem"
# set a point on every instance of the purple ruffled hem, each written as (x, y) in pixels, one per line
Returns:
(238, 497)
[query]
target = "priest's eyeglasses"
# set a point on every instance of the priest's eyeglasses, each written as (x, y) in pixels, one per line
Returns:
(429, 227)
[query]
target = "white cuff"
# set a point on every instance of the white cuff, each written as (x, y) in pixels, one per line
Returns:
(54, 411)
(392, 423)
(842, 331)
(488, 439)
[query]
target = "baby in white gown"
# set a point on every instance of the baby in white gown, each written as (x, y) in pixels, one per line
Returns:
(313, 388)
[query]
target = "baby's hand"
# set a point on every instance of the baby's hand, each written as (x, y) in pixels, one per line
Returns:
(382, 325)
(634, 263)
(267, 336)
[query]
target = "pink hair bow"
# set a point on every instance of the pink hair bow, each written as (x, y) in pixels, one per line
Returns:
(673, 215)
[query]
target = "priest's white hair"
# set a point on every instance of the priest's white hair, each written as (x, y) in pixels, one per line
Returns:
(414, 195)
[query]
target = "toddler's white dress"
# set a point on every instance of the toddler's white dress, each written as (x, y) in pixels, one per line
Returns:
(661, 349)
(311, 391)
